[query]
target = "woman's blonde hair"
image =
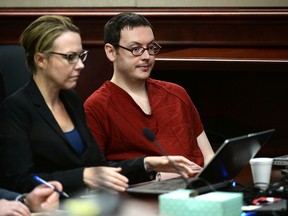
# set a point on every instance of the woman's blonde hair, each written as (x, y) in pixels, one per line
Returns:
(40, 35)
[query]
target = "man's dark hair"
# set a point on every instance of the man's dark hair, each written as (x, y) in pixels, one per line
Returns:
(113, 27)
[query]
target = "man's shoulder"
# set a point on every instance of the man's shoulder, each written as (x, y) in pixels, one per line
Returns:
(103, 92)
(174, 87)
(99, 97)
(170, 89)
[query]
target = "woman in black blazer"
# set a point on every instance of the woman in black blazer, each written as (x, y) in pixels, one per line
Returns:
(43, 126)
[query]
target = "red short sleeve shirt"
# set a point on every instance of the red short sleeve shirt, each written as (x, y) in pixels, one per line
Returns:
(116, 122)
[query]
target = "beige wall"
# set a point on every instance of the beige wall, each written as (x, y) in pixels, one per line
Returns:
(143, 3)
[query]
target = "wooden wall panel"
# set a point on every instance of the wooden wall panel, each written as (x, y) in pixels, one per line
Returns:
(232, 61)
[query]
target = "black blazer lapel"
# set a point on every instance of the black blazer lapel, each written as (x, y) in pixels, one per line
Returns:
(43, 109)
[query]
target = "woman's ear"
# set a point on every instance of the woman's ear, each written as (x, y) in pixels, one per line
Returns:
(110, 51)
(40, 60)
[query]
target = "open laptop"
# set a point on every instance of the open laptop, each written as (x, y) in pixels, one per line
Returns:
(231, 157)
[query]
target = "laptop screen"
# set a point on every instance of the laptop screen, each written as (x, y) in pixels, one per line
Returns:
(233, 155)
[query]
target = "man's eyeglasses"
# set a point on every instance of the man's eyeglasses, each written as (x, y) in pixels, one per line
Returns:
(73, 57)
(152, 49)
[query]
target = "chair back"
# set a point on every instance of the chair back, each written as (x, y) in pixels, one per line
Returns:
(14, 72)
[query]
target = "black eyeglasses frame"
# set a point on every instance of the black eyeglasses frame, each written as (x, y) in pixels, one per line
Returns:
(67, 56)
(142, 49)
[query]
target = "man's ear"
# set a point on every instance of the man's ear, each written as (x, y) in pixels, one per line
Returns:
(110, 51)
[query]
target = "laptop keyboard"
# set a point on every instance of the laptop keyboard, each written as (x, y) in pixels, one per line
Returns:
(159, 187)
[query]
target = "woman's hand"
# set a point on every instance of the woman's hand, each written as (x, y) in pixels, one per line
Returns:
(107, 177)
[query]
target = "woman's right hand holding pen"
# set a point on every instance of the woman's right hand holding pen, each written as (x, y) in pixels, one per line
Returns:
(107, 177)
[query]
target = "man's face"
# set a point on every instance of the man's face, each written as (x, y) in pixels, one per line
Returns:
(135, 67)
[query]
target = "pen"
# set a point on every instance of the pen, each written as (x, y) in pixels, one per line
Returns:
(38, 179)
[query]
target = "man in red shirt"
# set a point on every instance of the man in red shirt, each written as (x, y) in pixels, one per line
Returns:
(119, 110)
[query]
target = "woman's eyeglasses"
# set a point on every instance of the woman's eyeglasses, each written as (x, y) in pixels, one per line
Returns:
(73, 57)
